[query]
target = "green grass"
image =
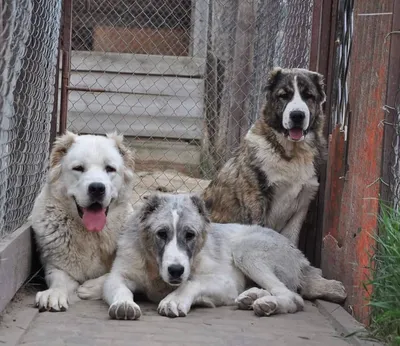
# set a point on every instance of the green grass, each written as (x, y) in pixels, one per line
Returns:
(385, 300)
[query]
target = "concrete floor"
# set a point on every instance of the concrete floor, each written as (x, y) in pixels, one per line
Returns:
(87, 323)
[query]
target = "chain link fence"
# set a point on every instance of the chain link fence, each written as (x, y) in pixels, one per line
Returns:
(29, 31)
(181, 79)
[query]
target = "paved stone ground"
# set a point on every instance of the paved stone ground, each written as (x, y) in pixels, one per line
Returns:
(87, 323)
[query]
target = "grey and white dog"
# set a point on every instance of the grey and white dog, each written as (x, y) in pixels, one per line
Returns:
(171, 252)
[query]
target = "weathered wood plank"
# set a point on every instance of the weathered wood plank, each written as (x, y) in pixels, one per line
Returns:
(138, 40)
(352, 199)
(198, 47)
(137, 64)
(142, 126)
(15, 263)
(134, 84)
(174, 152)
(134, 105)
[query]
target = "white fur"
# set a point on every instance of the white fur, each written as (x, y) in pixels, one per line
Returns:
(296, 104)
(101, 153)
(69, 253)
(61, 286)
(295, 183)
(174, 255)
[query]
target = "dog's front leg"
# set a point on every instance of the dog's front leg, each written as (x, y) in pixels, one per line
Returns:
(210, 291)
(61, 286)
(119, 297)
(293, 227)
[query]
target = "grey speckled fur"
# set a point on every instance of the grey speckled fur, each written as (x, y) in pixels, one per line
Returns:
(223, 264)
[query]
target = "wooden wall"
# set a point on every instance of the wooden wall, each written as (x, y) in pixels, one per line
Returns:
(137, 95)
(355, 165)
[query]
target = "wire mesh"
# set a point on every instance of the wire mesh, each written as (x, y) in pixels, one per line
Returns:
(29, 31)
(340, 92)
(182, 80)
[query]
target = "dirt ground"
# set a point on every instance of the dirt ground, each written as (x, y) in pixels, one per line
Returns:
(170, 180)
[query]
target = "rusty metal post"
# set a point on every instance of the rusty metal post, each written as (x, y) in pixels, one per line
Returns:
(66, 63)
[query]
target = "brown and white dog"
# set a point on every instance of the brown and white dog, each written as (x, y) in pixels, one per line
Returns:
(273, 177)
(79, 214)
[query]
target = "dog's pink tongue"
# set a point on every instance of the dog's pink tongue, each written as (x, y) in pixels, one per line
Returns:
(296, 134)
(94, 221)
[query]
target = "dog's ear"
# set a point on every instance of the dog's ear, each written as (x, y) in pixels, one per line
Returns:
(60, 148)
(126, 153)
(200, 206)
(273, 77)
(151, 203)
(318, 80)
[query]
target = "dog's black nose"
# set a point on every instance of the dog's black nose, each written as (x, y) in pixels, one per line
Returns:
(297, 116)
(97, 190)
(175, 271)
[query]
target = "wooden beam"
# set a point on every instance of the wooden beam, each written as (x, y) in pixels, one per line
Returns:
(141, 126)
(135, 105)
(139, 64)
(198, 37)
(138, 84)
(15, 263)
(388, 155)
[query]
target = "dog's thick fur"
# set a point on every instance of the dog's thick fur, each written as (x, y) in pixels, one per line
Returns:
(273, 177)
(171, 252)
(71, 254)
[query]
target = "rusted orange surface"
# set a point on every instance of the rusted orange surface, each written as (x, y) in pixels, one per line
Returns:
(351, 205)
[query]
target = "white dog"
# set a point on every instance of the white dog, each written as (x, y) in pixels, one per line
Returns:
(172, 253)
(78, 215)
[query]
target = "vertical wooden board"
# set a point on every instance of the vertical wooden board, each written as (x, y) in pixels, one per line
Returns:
(347, 233)
(15, 263)
(389, 159)
(199, 18)
(321, 58)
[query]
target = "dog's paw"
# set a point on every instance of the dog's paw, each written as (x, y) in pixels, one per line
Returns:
(265, 306)
(90, 290)
(246, 299)
(173, 307)
(283, 303)
(53, 300)
(124, 310)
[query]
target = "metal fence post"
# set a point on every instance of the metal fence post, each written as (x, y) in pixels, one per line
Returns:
(66, 63)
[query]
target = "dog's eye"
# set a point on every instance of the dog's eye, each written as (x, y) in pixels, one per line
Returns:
(308, 96)
(162, 234)
(283, 95)
(190, 235)
(110, 169)
(78, 168)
